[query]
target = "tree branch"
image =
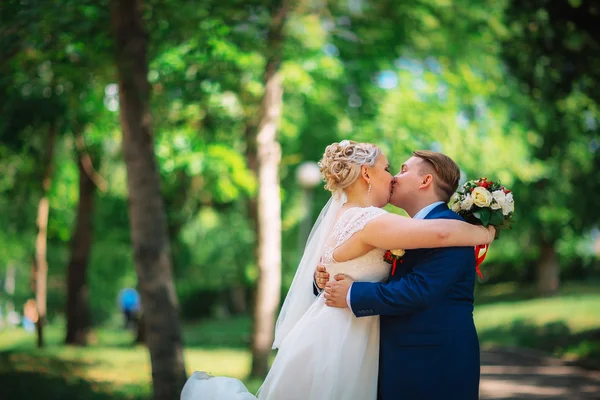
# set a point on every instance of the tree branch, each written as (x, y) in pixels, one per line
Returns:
(86, 162)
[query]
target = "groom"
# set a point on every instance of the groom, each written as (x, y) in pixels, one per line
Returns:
(429, 348)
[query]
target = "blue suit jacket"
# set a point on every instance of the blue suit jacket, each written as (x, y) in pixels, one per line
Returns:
(429, 348)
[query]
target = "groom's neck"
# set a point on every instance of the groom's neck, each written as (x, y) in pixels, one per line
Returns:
(420, 204)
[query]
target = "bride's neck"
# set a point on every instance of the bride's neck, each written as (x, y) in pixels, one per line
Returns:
(358, 200)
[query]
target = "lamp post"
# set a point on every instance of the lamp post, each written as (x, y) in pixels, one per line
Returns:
(308, 176)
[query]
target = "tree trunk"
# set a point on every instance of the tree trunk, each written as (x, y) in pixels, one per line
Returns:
(251, 159)
(146, 208)
(78, 321)
(40, 261)
(237, 299)
(548, 270)
(140, 337)
(269, 204)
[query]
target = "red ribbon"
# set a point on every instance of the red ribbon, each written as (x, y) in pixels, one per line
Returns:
(394, 266)
(479, 257)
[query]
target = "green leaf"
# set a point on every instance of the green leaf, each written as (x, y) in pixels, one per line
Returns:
(496, 218)
(484, 215)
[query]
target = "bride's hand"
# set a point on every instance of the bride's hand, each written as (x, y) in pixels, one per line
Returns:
(321, 276)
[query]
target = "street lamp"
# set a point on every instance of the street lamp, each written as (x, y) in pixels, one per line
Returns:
(308, 176)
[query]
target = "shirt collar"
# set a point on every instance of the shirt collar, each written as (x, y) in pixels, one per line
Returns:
(426, 210)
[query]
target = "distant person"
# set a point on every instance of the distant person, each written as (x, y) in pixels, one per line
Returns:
(129, 302)
(30, 315)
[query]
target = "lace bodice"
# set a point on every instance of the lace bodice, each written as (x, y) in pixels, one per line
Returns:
(369, 267)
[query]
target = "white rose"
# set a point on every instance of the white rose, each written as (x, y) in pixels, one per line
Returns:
(467, 203)
(481, 197)
(456, 206)
(500, 199)
(398, 252)
(509, 197)
(508, 207)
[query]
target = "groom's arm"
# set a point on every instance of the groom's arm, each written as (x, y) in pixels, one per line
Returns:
(425, 285)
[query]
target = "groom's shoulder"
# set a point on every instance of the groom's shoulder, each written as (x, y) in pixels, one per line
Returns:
(447, 214)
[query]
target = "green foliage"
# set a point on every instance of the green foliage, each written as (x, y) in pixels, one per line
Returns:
(549, 51)
(507, 89)
(220, 250)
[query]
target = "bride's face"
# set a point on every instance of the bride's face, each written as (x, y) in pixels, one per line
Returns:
(381, 181)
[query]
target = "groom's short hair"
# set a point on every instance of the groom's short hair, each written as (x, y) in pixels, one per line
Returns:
(445, 171)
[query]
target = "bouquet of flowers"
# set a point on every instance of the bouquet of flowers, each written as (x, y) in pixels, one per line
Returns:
(484, 202)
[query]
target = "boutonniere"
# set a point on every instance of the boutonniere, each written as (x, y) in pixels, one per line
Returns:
(393, 257)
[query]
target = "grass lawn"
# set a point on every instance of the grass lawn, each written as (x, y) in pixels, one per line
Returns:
(112, 368)
(566, 325)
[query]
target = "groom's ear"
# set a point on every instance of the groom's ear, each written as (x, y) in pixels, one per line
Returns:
(427, 181)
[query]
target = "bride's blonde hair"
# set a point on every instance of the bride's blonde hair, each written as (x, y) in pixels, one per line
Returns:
(341, 163)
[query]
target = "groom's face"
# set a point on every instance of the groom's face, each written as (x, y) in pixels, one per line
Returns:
(407, 182)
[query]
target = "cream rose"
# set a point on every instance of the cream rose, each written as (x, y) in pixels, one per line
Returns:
(398, 252)
(456, 206)
(481, 197)
(467, 203)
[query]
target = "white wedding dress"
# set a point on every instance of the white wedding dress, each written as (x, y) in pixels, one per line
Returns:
(328, 354)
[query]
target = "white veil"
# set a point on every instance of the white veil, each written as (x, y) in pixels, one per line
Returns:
(301, 296)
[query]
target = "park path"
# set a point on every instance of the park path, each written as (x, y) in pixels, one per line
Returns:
(522, 375)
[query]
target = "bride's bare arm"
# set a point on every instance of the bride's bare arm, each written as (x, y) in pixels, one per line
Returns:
(390, 231)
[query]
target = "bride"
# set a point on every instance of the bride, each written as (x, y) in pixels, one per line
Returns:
(326, 353)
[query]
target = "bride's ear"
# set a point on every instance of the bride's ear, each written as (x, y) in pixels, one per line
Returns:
(365, 173)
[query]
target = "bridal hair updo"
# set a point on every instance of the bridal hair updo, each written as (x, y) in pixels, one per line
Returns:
(341, 163)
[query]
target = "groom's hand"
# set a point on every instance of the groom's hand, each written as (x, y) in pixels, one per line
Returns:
(336, 291)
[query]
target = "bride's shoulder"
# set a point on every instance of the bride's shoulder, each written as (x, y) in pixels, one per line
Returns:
(364, 214)
(374, 211)
(377, 210)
